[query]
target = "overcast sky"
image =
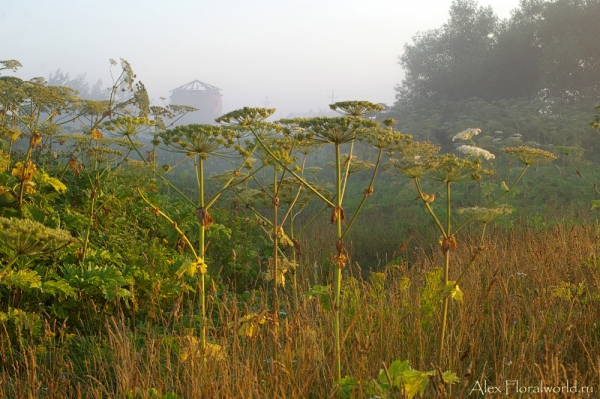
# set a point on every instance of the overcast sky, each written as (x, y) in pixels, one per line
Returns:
(296, 52)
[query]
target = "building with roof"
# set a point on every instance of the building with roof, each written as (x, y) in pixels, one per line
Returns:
(206, 98)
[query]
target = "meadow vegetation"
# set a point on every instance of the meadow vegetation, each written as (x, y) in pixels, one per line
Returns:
(304, 258)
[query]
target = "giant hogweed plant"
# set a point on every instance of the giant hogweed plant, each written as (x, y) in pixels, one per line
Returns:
(22, 243)
(199, 143)
(29, 112)
(277, 151)
(95, 158)
(281, 194)
(421, 162)
(339, 132)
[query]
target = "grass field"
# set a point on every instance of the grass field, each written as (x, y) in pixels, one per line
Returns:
(530, 313)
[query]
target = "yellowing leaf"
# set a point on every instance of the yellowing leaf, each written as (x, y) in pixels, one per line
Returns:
(51, 181)
(453, 291)
(246, 330)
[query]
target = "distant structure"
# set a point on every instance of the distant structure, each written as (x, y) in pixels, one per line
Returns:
(197, 94)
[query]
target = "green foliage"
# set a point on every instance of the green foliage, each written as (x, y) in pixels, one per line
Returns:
(92, 280)
(322, 293)
(399, 377)
(149, 242)
(544, 47)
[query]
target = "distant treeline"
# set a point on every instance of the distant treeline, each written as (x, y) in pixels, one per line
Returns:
(535, 74)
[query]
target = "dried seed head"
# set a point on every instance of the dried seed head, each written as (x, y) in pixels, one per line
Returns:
(445, 245)
(341, 261)
(334, 216)
(204, 217)
(339, 246)
(453, 244)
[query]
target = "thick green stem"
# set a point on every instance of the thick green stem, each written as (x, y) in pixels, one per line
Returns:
(338, 270)
(444, 312)
(200, 178)
(347, 170)
(433, 215)
(275, 270)
(294, 279)
(446, 278)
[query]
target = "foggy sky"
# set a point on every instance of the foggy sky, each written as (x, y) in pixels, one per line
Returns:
(293, 51)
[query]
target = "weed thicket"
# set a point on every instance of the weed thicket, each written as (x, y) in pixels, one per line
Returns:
(120, 282)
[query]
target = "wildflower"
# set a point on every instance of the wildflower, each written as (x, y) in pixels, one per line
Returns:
(246, 116)
(337, 130)
(203, 140)
(530, 156)
(415, 159)
(450, 168)
(356, 108)
(381, 138)
(26, 237)
(484, 215)
(476, 152)
(466, 134)
(126, 126)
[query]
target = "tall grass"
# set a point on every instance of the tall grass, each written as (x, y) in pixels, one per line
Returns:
(530, 313)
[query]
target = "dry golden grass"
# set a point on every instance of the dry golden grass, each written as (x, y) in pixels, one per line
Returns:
(531, 312)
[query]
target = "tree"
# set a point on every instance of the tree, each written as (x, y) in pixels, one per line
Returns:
(546, 49)
(97, 92)
(448, 63)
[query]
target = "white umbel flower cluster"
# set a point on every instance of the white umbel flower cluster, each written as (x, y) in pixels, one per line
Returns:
(476, 152)
(466, 134)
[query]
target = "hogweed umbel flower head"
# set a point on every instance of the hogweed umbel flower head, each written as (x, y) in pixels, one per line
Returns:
(337, 130)
(451, 169)
(476, 152)
(530, 156)
(416, 159)
(246, 116)
(484, 215)
(203, 140)
(26, 237)
(466, 134)
(356, 108)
